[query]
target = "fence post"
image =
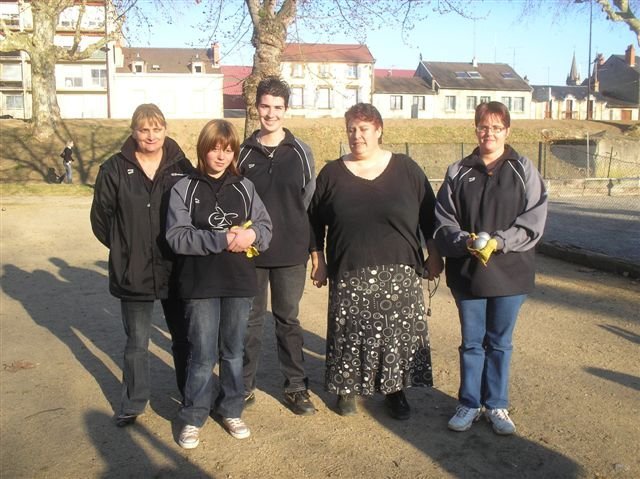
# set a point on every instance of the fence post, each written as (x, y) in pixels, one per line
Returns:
(540, 157)
(462, 149)
(406, 148)
(610, 159)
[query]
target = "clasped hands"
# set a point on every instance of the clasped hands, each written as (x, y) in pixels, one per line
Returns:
(240, 239)
(484, 253)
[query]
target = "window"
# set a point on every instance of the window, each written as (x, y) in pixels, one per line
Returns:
(485, 99)
(450, 103)
(518, 103)
(155, 68)
(11, 72)
(73, 82)
(11, 19)
(324, 71)
(297, 97)
(99, 77)
(352, 71)
(474, 75)
(419, 100)
(323, 97)
(136, 67)
(462, 75)
(472, 102)
(197, 68)
(508, 75)
(507, 101)
(296, 70)
(352, 96)
(396, 102)
(14, 102)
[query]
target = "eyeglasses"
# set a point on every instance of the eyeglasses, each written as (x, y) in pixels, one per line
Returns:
(496, 130)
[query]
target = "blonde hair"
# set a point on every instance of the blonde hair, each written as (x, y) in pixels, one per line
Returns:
(147, 112)
(219, 133)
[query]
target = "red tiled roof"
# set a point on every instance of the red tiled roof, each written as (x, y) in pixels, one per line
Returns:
(394, 72)
(233, 78)
(325, 52)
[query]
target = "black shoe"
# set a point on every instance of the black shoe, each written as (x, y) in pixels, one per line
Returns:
(300, 403)
(249, 399)
(397, 405)
(346, 405)
(124, 420)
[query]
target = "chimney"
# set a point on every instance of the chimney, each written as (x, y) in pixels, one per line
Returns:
(630, 56)
(215, 54)
(596, 86)
(474, 62)
(600, 59)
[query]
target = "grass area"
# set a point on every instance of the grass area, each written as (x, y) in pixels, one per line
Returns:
(435, 143)
(44, 189)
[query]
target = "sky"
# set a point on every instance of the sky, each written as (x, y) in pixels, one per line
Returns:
(540, 47)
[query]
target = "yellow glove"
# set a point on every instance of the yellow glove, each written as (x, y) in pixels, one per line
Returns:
(252, 251)
(484, 253)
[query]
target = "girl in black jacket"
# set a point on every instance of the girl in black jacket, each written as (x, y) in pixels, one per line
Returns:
(216, 223)
(127, 216)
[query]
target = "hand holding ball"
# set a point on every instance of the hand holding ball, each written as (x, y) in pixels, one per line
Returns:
(481, 240)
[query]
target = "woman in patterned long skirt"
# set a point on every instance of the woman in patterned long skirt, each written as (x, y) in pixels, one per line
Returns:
(371, 205)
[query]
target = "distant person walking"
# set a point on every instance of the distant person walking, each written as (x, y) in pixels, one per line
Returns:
(495, 191)
(67, 158)
(128, 216)
(283, 171)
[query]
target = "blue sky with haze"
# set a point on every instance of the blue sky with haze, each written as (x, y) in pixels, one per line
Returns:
(540, 47)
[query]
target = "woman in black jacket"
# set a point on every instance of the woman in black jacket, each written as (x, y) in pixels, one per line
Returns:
(216, 223)
(128, 216)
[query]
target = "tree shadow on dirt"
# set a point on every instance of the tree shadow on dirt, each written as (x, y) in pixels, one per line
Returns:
(624, 379)
(79, 311)
(125, 451)
(32, 159)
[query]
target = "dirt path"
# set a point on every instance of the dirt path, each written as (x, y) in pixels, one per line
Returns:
(575, 389)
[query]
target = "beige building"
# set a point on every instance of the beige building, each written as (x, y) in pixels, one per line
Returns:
(401, 97)
(81, 86)
(326, 79)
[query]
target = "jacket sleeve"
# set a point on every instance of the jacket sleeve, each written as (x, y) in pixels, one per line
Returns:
(528, 226)
(183, 237)
(104, 204)
(310, 186)
(260, 219)
(316, 218)
(450, 238)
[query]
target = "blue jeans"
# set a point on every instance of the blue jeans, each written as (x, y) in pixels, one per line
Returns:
(287, 286)
(136, 319)
(485, 353)
(216, 332)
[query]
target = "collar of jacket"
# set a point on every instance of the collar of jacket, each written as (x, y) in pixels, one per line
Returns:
(252, 141)
(229, 178)
(474, 160)
(171, 152)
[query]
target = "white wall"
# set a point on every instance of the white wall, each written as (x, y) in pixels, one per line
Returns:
(317, 76)
(463, 112)
(178, 95)
(382, 101)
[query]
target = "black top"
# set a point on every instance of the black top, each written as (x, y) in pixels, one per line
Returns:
(202, 210)
(509, 203)
(372, 222)
(128, 216)
(286, 184)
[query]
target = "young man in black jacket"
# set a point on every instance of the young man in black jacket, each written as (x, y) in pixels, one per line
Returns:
(283, 171)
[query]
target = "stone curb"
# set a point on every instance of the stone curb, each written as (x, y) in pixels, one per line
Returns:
(591, 259)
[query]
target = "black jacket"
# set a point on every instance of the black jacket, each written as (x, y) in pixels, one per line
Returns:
(128, 216)
(200, 214)
(510, 203)
(286, 184)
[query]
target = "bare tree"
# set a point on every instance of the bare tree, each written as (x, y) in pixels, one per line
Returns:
(38, 43)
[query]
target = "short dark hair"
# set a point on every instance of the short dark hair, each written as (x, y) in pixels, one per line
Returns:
(493, 108)
(273, 86)
(364, 112)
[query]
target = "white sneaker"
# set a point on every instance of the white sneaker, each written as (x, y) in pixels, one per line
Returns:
(189, 437)
(236, 427)
(464, 418)
(502, 423)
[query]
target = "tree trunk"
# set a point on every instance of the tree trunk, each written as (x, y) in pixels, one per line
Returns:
(43, 55)
(269, 39)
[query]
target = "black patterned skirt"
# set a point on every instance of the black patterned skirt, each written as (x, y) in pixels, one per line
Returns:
(377, 335)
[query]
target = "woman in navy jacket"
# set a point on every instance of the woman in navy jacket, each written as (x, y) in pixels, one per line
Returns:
(496, 191)
(208, 226)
